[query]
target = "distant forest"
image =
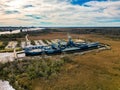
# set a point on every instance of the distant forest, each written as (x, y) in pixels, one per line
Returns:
(12, 28)
(113, 32)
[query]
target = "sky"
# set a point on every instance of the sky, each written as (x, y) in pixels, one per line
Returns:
(61, 13)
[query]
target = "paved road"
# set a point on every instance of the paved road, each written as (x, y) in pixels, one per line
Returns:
(5, 57)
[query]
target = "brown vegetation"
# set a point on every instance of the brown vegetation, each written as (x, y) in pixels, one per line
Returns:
(92, 71)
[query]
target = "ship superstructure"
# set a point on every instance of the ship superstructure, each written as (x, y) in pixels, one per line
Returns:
(60, 47)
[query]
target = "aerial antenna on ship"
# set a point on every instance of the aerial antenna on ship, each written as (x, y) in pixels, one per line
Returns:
(59, 42)
(69, 37)
(68, 34)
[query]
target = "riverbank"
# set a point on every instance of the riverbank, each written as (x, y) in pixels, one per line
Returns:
(18, 31)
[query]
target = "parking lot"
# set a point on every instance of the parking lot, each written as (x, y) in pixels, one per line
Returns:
(22, 44)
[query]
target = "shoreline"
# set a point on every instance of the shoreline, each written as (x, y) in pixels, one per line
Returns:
(19, 31)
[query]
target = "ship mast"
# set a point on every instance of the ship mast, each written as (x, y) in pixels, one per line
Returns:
(69, 37)
(70, 42)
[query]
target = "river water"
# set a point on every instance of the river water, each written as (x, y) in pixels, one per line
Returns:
(18, 31)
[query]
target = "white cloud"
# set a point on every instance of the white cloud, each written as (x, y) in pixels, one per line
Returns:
(60, 12)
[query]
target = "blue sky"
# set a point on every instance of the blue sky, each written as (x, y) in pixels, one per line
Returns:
(78, 13)
(80, 2)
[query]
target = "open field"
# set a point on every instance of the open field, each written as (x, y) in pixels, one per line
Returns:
(53, 35)
(92, 71)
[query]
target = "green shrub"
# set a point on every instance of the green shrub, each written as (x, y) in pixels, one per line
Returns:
(21, 73)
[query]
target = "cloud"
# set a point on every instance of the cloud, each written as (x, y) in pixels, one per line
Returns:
(33, 16)
(60, 12)
(44, 23)
(24, 19)
(28, 6)
(12, 12)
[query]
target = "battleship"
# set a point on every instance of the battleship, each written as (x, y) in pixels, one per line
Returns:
(60, 47)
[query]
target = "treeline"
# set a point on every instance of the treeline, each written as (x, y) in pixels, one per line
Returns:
(104, 31)
(11, 37)
(113, 32)
(14, 37)
(11, 28)
(2, 47)
(21, 73)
